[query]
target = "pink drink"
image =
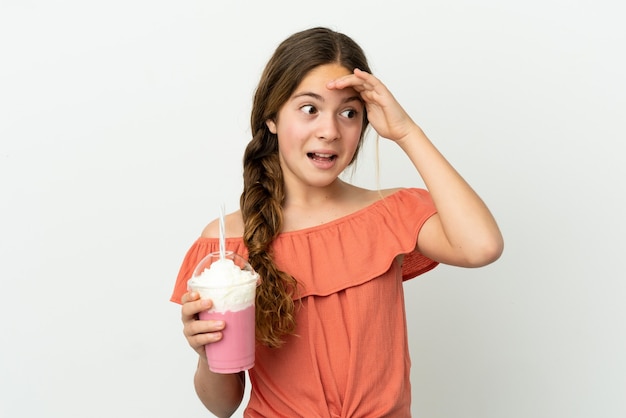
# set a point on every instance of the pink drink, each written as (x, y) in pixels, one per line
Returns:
(235, 351)
(230, 283)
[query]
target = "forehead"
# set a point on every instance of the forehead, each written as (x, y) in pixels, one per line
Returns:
(321, 75)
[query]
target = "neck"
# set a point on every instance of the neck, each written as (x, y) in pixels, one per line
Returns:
(315, 196)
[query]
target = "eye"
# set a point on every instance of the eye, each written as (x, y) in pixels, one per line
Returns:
(309, 109)
(349, 113)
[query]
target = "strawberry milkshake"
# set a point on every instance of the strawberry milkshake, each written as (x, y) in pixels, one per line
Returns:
(230, 282)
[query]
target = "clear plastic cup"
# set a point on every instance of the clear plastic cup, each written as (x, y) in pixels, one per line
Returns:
(232, 288)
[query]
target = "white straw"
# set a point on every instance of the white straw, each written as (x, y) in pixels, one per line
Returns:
(222, 234)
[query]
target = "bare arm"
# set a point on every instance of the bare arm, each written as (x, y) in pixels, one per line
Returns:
(463, 232)
(220, 393)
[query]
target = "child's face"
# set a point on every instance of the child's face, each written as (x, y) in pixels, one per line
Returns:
(318, 129)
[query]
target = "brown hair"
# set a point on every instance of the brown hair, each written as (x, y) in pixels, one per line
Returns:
(263, 192)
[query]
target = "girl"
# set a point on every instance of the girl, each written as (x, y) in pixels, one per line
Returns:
(331, 328)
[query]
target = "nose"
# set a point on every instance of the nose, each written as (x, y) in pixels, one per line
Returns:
(328, 128)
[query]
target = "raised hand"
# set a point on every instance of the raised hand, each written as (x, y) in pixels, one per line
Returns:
(384, 112)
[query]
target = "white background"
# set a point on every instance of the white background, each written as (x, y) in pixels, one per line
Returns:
(122, 126)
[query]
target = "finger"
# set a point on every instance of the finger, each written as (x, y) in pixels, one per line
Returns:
(358, 77)
(359, 85)
(198, 327)
(191, 309)
(362, 74)
(349, 80)
(364, 86)
(336, 84)
(200, 333)
(189, 296)
(199, 342)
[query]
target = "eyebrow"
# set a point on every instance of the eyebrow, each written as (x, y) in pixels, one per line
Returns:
(316, 96)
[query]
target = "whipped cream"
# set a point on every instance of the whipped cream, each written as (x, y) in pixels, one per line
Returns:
(229, 287)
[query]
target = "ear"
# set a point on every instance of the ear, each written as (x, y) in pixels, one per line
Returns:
(271, 125)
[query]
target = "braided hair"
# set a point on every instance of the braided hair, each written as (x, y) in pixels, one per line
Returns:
(263, 193)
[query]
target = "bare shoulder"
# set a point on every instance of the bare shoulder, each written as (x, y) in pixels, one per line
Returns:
(233, 226)
(389, 192)
(356, 198)
(366, 197)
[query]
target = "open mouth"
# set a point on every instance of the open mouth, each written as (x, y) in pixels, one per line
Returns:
(321, 157)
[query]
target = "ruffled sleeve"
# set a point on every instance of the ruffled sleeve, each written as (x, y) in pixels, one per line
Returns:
(359, 247)
(414, 263)
(346, 252)
(199, 249)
